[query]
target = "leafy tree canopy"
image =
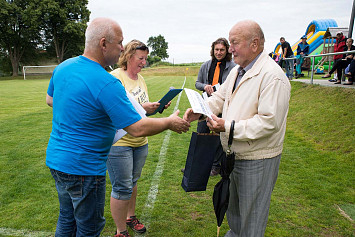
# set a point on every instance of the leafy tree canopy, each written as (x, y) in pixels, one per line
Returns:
(27, 26)
(159, 46)
(19, 29)
(64, 25)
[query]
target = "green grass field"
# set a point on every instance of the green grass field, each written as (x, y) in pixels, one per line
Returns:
(316, 178)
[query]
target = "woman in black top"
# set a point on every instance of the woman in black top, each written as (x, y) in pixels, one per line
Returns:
(344, 62)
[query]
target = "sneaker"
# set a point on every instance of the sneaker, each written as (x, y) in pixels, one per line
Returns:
(122, 234)
(135, 225)
(332, 80)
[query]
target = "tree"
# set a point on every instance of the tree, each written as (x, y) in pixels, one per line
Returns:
(19, 29)
(159, 46)
(5, 63)
(153, 59)
(64, 25)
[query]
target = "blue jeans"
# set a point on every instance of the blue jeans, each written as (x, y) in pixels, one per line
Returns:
(124, 165)
(289, 64)
(82, 202)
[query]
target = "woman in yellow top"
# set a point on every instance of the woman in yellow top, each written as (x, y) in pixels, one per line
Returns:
(127, 156)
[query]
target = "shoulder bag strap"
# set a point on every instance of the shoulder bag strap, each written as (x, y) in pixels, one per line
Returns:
(230, 139)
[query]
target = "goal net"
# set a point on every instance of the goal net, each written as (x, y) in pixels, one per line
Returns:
(37, 70)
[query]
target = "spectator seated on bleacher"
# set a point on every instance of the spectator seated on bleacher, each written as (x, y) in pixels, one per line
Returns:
(306, 66)
(341, 62)
(350, 73)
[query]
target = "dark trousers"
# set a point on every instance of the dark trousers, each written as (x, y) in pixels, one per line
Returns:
(352, 70)
(203, 128)
(339, 65)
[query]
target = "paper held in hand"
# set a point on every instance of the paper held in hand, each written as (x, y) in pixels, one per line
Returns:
(197, 103)
(120, 132)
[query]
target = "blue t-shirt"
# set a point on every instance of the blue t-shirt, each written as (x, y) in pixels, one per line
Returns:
(89, 104)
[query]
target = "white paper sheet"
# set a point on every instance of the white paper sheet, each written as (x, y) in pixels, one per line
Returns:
(120, 132)
(197, 103)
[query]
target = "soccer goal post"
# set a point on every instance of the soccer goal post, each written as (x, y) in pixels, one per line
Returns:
(37, 70)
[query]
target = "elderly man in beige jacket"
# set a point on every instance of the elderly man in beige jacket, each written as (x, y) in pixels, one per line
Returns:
(255, 96)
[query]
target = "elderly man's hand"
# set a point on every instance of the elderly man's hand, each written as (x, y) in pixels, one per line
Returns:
(216, 125)
(209, 89)
(178, 124)
(190, 116)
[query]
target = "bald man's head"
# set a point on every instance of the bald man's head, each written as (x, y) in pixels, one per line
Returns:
(247, 41)
(103, 41)
(101, 28)
(250, 31)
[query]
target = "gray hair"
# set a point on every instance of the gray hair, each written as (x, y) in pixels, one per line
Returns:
(99, 28)
(257, 32)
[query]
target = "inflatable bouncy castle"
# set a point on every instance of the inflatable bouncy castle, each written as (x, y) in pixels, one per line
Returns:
(315, 31)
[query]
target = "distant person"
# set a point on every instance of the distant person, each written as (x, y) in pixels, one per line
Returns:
(287, 53)
(278, 59)
(302, 50)
(350, 73)
(256, 97)
(212, 72)
(89, 105)
(208, 76)
(127, 156)
(342, 63)
(339, 46)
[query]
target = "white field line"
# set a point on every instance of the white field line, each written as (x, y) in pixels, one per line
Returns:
(154, 187)
(27, 233)
(342, 212)
(149, 205)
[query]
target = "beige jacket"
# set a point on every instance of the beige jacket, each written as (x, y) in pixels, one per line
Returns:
(259, 106)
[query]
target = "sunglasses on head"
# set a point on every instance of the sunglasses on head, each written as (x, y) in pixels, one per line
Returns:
(141, 47)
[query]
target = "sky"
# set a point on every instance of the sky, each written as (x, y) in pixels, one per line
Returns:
(190, 26)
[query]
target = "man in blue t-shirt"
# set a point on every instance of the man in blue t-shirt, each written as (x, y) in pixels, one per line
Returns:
(89, 104)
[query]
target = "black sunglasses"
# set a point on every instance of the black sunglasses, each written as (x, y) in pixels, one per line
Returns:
(141, 47)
